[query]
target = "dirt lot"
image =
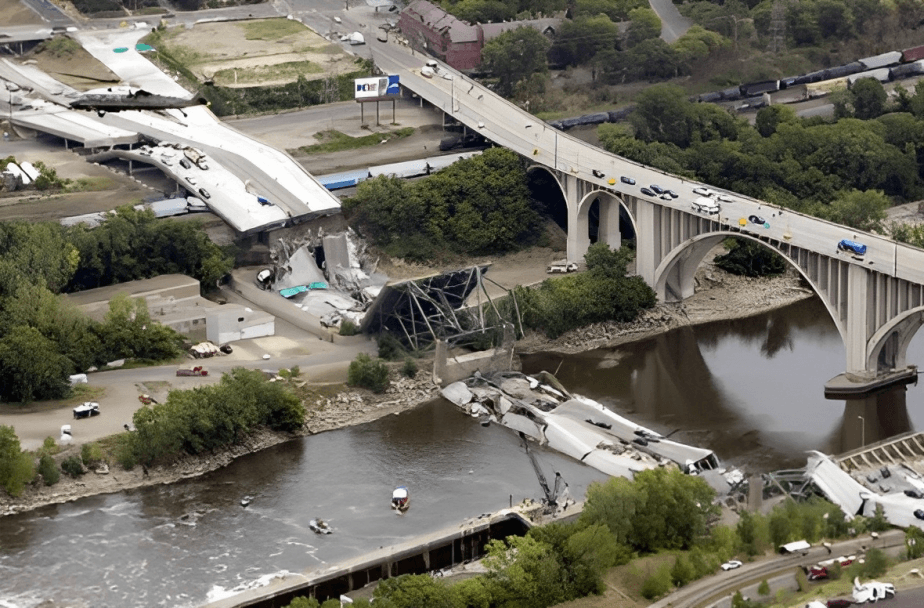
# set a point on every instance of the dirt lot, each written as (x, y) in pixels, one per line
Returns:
(16, 12)
(265, 52)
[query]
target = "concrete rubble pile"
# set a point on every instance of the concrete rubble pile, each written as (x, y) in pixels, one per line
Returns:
(329, 276)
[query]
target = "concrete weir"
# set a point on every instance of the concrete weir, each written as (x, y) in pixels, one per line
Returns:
(438, 550)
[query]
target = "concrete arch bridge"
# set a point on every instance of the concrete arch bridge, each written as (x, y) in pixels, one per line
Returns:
(876, 300)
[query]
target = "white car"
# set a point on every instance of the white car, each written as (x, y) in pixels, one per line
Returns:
(86, 410)
(703, 191)
(562, 267)
(731, 565)
(872, 591)
(724, 198)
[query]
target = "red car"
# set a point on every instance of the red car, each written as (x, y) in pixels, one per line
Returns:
(839, 603)
(817, 573)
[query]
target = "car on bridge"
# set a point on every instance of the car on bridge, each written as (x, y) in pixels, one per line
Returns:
(703, 191)
(919, 513)
(756, 219)
(647, 192)
(627, 180)
(657, 189)
(851, 247)
(705, 204)
(914, 493)
(672, 194)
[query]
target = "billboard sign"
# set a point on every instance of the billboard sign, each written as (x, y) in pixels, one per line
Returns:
(376, 88)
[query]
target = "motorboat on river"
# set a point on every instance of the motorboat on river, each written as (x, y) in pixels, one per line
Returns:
(543, 410)
(401, 499)
(320, 526)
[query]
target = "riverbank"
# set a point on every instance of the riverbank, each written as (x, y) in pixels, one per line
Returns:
(719, 296)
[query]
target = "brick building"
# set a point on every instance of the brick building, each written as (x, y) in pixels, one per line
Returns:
(430, 29)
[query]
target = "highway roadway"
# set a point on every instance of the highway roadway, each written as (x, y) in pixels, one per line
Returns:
(705, 591)
(511, 127)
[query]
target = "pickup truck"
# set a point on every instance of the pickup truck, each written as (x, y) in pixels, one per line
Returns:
(195, 371)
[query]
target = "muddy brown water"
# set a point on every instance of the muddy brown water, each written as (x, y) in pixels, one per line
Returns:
(752, 390)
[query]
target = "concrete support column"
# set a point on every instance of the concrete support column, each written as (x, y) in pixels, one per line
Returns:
(608, 231)
(578, 239)
(645, 243)
(858, 307)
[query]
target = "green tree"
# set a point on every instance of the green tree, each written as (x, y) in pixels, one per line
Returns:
(411, 590)
(523, 571)
(129, 332)
(861, 210)
(868, 98)
(750, 259)
(515, 55)
(31, 367)
(644, 24)
(663, 113)
(914, 538)
(769, 117)
(875, 564)
(748, 530)
(581, 39)
(16, 468)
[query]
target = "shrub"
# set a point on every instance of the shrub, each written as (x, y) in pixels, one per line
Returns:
(409, 368)
(658, 583)
(49, 446)
(72, 466)
(91, 453)
(16, 466)
(763, 588)
(390, 348)
(835, 571)
(875, 564)
(48, 470)
(683, 571)
(802, 580)
(348, 328)
(366, 373)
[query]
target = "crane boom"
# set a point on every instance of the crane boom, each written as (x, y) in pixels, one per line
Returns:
(551, 496)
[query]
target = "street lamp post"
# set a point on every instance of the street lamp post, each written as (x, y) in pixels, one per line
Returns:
(862, 431)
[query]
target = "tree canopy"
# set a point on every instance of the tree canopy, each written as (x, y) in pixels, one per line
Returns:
(476, 206)
(514, 56)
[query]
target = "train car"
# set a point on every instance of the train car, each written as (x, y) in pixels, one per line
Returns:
(906, 70)
(758, 88)
(710, 97)
(881, 74)
(915, 53)
(731, 93)
(347, 179)
(883, 60)
(411, 168)
(620, 114)
(844, 70)
(817, 89)
(435, 163)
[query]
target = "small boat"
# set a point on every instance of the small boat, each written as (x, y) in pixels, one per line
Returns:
(400, 499)
(320, 526)
(246, 500)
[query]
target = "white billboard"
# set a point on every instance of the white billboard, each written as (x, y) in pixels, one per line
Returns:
(378, 87)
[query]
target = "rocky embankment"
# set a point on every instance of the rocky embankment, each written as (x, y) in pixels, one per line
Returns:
(345, 409)
(719, 296)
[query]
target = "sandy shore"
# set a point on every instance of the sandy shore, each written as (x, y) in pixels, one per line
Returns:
(719, 296)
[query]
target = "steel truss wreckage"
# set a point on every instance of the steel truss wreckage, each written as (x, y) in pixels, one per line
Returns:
(434, 308)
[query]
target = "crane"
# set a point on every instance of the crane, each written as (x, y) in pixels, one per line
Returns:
(551, 494)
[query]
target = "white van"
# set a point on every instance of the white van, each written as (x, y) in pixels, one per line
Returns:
(705, 204)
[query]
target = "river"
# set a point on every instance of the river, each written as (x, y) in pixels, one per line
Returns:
(752, 390)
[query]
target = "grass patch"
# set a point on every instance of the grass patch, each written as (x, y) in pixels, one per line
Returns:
(290, 70)
(335, 141)
(60, 46)
(85, 392)
(272, 29)
(90, 184)
(155, 385)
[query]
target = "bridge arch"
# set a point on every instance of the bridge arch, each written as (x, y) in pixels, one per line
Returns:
(888, 347)
(673, 280)
(593, 213)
